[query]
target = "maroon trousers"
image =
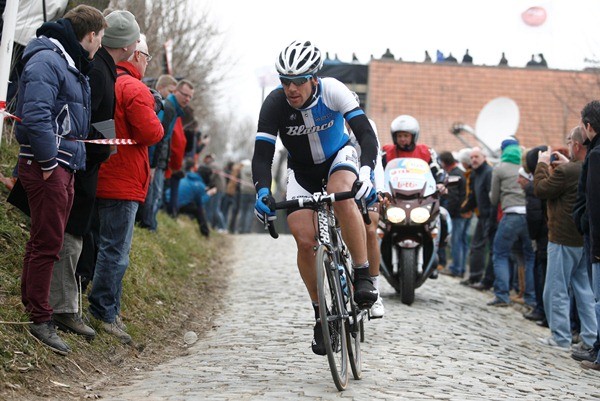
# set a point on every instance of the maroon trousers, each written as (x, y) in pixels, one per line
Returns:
(50, 202)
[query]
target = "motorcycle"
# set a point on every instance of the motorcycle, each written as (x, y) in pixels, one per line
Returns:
(409, 226)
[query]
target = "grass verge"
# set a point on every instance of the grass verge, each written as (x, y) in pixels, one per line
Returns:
(169, 273)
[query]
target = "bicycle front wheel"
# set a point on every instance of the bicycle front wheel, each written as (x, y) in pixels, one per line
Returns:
(333, 316)
(354, 330)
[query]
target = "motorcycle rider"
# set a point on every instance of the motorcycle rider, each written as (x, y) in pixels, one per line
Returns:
(405, 131)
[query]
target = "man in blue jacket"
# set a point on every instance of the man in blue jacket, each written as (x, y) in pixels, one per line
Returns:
(54, 105)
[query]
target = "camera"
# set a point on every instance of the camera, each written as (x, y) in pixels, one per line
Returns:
(553, 158)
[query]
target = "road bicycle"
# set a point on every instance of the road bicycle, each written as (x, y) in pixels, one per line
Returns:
(344, 330)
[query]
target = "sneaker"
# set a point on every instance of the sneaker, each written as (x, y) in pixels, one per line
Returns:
(549, 341)
(73, 323)
(479, 286)
(318, 345)
(580, 354)
(377, 310)
(590, 365)
(535, 315)
(365, 294)
(497, 302)
(46, 333)
(115, 330)
(120, 323)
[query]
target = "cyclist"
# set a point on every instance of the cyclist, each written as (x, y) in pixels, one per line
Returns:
(373, 251)
(308, 114)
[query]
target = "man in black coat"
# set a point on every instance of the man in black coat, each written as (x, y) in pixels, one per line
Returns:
(78, 251)
(481, 277)
(453, 200)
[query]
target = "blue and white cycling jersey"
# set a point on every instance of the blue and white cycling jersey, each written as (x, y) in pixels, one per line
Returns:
(311, 135)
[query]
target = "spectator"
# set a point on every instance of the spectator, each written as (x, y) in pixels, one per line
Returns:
(506, 192)
(537, 226)
(193, 195)
(159, 153)
(54, 104)
(123, 183)
(247, 198)
(232, 195)
(214, 214)
(480, 255)
(467, 59)
(503, 60)
(184, 92)
(79, 250)
(450, 59)
(590, 124)
(454, 197)
(464, 158)
(532, 62)
(567, 271)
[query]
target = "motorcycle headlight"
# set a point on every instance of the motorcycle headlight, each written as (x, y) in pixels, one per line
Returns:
(419, 215)
(395, 214)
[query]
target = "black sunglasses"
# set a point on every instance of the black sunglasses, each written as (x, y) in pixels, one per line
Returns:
(300, 80)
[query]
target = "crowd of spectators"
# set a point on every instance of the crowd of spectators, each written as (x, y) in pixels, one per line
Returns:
(524, 228)
(99, 152)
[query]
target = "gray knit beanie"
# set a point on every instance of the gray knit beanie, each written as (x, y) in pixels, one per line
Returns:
(122, 30)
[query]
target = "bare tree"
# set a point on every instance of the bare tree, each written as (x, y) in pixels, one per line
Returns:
(196, 44)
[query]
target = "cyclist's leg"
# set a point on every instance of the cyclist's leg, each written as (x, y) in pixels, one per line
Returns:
(348, 215)
(302, 228)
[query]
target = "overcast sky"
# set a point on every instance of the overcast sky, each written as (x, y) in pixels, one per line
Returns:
(256, 31)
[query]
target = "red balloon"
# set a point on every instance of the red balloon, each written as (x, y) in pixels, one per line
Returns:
(534, 16)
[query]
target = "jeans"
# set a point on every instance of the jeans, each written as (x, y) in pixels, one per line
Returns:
(246, 212)
(457, 245)
(117, 218)
(214, 215)
(64, 290)
(596, 289)
(511, 228)
(50, 202)
(153, 200)
(174, 200)
(567, 271)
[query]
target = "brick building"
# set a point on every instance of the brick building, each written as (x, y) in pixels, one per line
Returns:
(439, 95)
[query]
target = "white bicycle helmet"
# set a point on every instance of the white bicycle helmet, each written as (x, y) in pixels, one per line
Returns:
(405, 123)
(299, 58)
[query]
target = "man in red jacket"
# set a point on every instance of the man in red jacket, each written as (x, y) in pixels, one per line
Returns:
(183, 95)
(122, 184)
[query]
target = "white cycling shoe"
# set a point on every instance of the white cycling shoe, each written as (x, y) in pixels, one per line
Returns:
(377, 310)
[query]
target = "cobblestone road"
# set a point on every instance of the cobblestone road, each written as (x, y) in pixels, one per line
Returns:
(447, 346)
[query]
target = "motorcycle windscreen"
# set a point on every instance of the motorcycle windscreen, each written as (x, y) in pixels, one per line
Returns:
(409, 175)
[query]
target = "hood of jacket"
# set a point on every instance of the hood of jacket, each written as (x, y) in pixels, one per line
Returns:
(62, 30)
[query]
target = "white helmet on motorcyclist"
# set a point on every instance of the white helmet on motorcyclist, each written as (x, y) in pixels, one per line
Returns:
(405, 123)
(299, 58)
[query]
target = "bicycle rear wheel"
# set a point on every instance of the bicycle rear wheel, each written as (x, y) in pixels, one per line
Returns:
(332, 314)
(354, 329)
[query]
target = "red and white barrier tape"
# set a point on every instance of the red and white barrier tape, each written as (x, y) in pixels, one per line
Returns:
(113, 141)
(5, 113)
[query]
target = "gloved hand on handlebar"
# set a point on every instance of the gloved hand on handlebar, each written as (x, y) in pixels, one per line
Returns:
(261, 207)
(366, 189)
